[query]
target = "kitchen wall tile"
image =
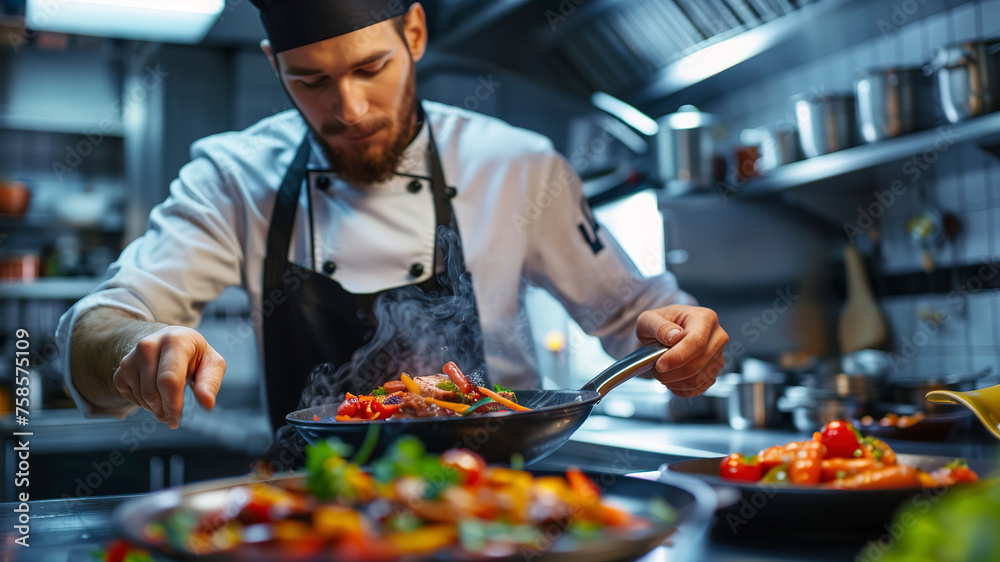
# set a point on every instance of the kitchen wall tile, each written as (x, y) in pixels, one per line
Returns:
(991, 17)
(936, 29)
(908, 47)
(974, 168)
(898, 254)
(972, 242)
(944, 186)
(981, 311)
(963, 22)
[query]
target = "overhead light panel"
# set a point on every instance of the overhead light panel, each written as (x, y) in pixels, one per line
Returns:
(625, 113)
(167, 21)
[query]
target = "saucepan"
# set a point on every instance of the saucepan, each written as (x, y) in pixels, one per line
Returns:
(554, 416)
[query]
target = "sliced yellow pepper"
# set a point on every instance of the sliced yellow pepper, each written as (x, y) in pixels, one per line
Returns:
(453, 406)
(411, 385)
(332, 521)
(423, 540)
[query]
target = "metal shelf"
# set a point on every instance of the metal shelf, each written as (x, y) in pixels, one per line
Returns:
(110, 224)
(45, 124)
(806, 34)
(983, 130)
(50, 288)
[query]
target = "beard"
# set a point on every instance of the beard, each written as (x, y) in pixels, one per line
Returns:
(362, 164)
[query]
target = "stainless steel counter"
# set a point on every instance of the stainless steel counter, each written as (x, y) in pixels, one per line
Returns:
(70, 529)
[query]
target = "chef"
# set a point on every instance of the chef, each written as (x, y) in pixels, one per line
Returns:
(373, 232)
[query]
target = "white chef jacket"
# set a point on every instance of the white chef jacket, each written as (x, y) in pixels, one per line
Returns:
(519, 208)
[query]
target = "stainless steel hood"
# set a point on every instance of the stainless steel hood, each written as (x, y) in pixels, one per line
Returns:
(654, 54)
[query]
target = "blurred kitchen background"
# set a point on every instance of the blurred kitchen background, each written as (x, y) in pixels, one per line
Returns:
(740, 144)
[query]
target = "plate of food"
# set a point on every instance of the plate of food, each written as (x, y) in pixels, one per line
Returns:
(415, 506)
(900, 421)
(448, 410)
(839, 482)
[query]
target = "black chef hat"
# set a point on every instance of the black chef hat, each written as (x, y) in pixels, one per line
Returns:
(294, 23)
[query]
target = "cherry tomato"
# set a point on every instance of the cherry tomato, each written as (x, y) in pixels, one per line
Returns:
(470, 465)
(964, 474)
(738, 467)
(457, 377)
(840, 439)
(117, 551)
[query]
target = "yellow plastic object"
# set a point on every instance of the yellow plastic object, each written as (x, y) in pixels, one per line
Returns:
(985, 403)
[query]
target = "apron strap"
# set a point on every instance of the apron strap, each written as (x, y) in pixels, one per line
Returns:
(279, 235)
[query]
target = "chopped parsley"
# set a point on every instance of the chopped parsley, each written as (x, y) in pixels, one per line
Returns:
(380, 392)
(500, 388)
(448, 385)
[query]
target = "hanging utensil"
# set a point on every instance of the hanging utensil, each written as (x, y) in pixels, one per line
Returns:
(861, 323)
(926, 229)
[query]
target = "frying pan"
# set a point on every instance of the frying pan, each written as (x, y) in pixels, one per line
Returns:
(554, 416)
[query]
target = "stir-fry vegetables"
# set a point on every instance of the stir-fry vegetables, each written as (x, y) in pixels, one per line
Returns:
(450, 393)
(839, 457)
(408, 503)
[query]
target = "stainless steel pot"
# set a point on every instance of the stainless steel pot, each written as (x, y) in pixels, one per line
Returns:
(812, 408)
(826, 123)
(967, 76)
(686, 150)
(913, 390)
(753, 404)
(893, 102)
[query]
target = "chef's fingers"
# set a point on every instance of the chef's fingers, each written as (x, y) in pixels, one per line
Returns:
(138, 370)
(175, 359)
(710, 360)
(121, 381)
(702, 379)
(654, 325)
(695, 392)
(208, 377)
(702, 335)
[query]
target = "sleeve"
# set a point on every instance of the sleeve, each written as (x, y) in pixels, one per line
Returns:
(585, 268)
(191, 251)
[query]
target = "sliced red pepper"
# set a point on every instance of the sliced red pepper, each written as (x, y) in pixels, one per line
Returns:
(582, 484)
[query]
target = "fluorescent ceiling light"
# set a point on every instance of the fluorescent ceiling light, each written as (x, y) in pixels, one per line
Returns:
(170, 21)
(625, 112)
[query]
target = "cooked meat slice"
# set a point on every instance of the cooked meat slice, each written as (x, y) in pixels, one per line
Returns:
(414, 406)
(429, 387)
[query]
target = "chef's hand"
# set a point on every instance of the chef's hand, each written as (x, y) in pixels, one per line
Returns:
(696, 340)
(154, 373)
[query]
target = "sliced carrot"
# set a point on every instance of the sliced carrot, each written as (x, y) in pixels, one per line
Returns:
(847, 467)
(453, 406)
(500, 399)
(411, 385)
(896, 476)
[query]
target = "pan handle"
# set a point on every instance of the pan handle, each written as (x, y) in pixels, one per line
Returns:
(636, 363)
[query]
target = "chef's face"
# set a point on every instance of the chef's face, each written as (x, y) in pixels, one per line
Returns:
(357, 92)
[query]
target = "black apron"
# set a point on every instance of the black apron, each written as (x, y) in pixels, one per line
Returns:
(322, 339)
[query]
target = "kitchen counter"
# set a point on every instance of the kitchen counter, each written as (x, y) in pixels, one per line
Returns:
(70, 529)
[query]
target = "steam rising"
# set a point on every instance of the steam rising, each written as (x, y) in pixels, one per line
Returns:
(416, 332)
